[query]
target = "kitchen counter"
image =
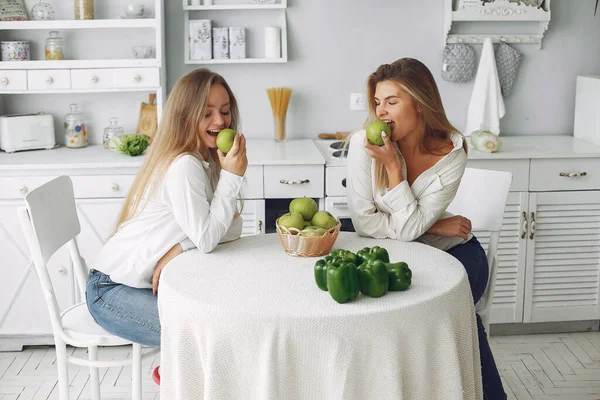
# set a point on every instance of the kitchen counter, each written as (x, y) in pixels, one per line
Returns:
(63, 159)
(518, 147)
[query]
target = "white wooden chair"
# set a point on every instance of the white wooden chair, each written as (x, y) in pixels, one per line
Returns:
(50, 221)
(481, 197)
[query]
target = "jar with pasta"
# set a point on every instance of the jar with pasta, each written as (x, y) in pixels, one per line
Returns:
(84, 9)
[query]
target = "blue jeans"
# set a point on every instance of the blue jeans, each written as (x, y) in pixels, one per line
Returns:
(472, 256)
(124, 311)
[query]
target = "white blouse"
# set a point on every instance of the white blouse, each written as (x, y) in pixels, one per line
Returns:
(189, 204)
(404, 212)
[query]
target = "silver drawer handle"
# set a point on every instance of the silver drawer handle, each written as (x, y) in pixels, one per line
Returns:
(524, 231)
(532, 226)
(114, 187)
(137, 78)
(4, 81)
(23, 189)
(573, 174)
(340, 205)
(94, 79)
(259, 227)
(49, 80)
(300, 182)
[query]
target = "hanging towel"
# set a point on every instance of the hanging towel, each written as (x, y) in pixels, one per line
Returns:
(486, 106)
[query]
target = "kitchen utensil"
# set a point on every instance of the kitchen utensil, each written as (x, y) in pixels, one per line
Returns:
(148, 121)
(142, 51)
(75, 131)
(111, 131)
(134, 10)
(54, 47)
(336, 136)
(279, 99)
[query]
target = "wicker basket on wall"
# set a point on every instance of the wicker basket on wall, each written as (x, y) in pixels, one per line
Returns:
(318, 243)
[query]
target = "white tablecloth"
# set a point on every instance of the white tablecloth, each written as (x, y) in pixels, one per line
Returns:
(247, 321)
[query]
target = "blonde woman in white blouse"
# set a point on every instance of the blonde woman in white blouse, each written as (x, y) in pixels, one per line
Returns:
(184, 196)
(401, 190)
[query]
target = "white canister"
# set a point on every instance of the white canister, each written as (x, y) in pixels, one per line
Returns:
(14, 50)
(237, 42)
(200, 39)
(272, 42)
(220, 43)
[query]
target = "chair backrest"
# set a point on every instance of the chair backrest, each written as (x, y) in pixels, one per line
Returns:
(49, 221)
(481, 197)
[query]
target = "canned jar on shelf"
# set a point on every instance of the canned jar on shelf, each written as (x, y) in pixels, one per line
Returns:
(55, 47)
(75, 131)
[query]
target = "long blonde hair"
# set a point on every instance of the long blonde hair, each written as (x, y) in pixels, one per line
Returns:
(415, 79)
(177, 134)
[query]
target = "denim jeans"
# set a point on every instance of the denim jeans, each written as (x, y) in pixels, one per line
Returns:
(472, 256)
(124, 311)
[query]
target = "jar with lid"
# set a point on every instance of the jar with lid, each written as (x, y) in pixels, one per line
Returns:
(75, 132)
(54, 47)
(111, 131)
(84, 9)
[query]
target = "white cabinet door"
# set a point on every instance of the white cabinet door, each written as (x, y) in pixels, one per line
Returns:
(507, 304)
(97, 218)
(23, 311)
(253, 215)
(563, 257)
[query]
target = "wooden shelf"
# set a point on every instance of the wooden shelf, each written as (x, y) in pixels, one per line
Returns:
(68, 64)
(239, 61)
(123, 23)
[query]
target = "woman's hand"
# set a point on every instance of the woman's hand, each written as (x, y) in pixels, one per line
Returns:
(235, 161)
(389, 156)
(454, 226)
(164, 260)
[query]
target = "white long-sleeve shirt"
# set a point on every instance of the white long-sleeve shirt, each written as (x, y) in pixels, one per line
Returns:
(404, 212)
(188, 204)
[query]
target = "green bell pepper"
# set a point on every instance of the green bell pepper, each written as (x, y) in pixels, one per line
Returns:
(321, 273)
(373, 278)
(373, 253)
(346, 255)
(342, 281)
(400, 276)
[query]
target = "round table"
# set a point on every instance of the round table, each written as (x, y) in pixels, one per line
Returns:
(247, 321)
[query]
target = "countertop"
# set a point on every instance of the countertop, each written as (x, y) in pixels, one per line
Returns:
(259, 152)
(518, 147)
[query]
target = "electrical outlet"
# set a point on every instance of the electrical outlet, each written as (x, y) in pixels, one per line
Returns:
(357, 102)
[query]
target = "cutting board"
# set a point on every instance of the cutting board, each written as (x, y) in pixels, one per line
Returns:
(148, 120)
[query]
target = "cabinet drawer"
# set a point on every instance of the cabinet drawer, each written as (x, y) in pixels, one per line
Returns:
(253, 187)
(18, 187)
(338, 206)
(49, 79)
(102, 186)
(286, 182)
(518, 168)
(136, 77)
(13, 80)
(335, 178)
(546, 174)
(92, 78)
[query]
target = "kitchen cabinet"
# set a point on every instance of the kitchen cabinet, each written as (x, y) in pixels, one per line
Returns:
(101, 181)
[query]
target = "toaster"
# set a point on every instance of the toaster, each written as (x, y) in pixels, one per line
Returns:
(26, 132)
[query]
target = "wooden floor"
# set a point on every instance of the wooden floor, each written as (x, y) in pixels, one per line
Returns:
(541, 367)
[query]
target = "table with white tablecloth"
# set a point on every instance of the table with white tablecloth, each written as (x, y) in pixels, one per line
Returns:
(248, 321)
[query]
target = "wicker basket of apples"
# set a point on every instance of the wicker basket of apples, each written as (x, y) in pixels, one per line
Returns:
(306, 232)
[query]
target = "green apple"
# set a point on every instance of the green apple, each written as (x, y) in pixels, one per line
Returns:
(307, 223)
(313, 231)
(323, 219)
(305, 206)
(292, 220)
(225, 139)
(374, 130)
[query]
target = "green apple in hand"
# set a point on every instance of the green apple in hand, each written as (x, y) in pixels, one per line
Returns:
(374, 130)
(225, 139)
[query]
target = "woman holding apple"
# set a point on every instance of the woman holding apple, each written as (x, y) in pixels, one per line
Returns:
(404, 170)
(185, 195)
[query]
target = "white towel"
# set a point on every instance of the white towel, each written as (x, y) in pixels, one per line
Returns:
(487, 105)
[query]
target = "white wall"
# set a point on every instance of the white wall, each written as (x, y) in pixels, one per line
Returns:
(335, 44)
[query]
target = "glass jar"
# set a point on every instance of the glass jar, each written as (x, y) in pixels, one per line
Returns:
(84, 9)
(111, 131)
(75, 132)
(54, 47)
(42, 11)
